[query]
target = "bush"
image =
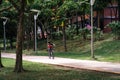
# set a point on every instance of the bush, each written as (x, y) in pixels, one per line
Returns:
(115, 26)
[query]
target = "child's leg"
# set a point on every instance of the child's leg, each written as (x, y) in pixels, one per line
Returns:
(52, 54)
(49, 54)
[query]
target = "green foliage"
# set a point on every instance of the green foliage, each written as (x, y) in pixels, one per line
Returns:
(46, 13)
(98, 35)
(57, 35)
(4, 3)
(71, 31)
(101, 4)
(30, 1)
(67, 7)
(84, 33)
(71, 7)
(115, 26)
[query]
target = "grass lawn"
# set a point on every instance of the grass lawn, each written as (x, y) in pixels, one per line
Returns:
(37, 71)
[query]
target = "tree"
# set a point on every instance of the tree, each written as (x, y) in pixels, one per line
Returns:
(99, 6)
(18, 65)
(0, 1)
(67, 11)
(1, 65)
(20, 8)
(118, 9)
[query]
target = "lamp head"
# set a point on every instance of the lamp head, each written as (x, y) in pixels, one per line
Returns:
(36, 11)
(4, 18)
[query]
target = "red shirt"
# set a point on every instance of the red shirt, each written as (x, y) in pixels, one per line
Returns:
(49, 46)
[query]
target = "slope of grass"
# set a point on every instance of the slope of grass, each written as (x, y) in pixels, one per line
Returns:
(104, 50)
(109, 49)
(37, 71)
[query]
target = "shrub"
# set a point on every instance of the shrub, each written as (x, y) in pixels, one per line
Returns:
(115, 26)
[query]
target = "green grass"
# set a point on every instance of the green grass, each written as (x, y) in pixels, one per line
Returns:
(105, 50)
(37, 71)
(109, 50)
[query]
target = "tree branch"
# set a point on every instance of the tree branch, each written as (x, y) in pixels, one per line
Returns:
(4, 9)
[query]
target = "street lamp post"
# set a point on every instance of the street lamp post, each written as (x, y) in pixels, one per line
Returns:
(35, 18)
(92, 40)
(35, 25)
(4, 23)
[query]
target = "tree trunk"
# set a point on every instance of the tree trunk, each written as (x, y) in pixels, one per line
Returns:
(77, 29)
(1, 65)
(119, 9)
(19, 44)
(18, 65)
(98, 13)
(82, 22)
(11, 42)
(64, 39)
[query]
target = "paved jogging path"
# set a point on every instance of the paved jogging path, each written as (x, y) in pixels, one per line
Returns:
(72, 63)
